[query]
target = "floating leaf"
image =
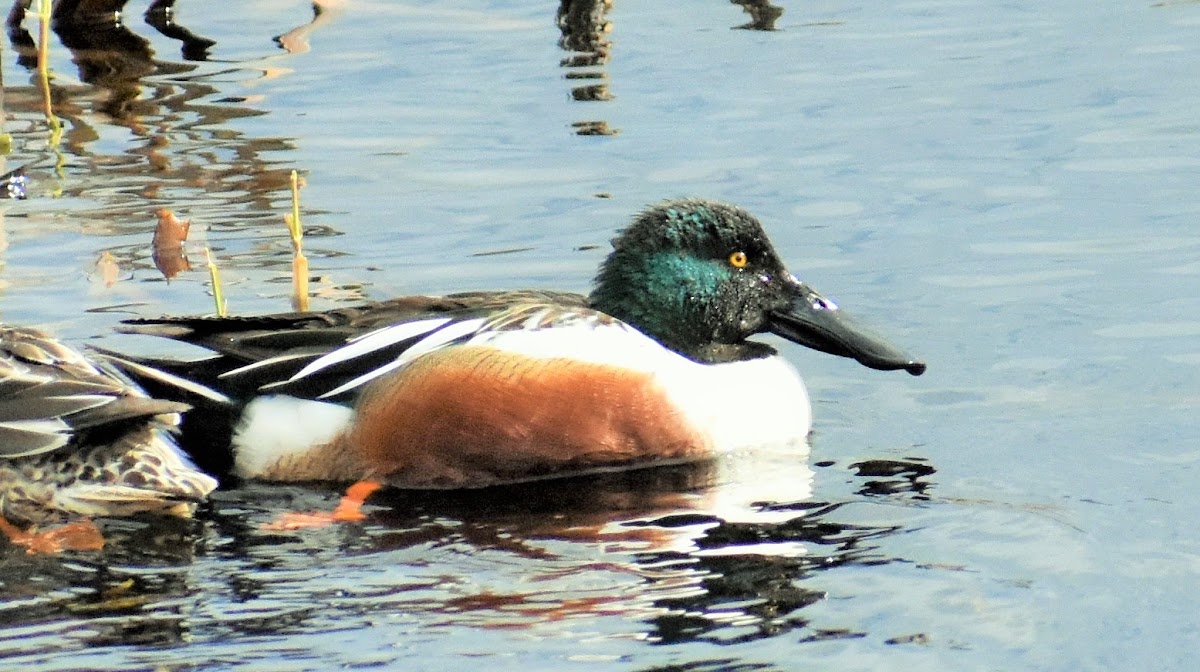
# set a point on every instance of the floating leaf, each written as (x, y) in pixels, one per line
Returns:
(169, 235)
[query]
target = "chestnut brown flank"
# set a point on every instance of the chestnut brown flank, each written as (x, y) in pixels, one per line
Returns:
(471, 416)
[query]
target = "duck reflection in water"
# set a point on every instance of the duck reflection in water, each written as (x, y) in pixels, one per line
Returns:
(699, 552)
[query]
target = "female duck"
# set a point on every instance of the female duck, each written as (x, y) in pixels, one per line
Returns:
(77, 439)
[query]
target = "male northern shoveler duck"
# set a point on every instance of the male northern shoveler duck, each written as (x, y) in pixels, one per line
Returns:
(482, 388)
(78, 439)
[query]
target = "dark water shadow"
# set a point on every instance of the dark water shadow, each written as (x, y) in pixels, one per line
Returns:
(134, 592)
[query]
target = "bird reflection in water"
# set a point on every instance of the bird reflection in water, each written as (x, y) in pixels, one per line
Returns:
(714, 551)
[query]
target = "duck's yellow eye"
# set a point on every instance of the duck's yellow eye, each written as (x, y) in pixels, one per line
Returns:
(738, 259)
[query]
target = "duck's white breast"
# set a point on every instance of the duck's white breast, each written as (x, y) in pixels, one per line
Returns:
(747, 404)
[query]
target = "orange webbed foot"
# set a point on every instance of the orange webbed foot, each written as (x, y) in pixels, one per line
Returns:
(348, 510)
(78, 536)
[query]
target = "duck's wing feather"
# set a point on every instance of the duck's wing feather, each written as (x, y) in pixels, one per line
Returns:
(253, 339)
(330, 355)
(51, 396)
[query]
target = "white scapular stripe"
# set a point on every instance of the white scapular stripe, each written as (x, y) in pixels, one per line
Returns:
(367, 343)
(266, 362)
(439, 339)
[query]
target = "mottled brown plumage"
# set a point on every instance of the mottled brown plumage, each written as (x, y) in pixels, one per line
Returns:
(80, 440)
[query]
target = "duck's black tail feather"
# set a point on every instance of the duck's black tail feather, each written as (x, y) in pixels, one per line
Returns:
(206, 431)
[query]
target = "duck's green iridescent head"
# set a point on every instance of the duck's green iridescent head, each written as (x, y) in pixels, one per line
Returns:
(701, 277)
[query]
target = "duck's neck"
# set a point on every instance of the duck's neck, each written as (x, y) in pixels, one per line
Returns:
(656, 308)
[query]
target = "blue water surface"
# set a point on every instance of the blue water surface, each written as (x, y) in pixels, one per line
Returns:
(1008, 189)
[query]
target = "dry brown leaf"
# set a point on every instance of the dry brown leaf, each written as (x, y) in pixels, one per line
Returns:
(169, 235)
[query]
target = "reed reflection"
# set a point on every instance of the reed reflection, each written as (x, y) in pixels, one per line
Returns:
(182, 151)
(763, 14)
(161, 16)
(115, 62)
(585, 29)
